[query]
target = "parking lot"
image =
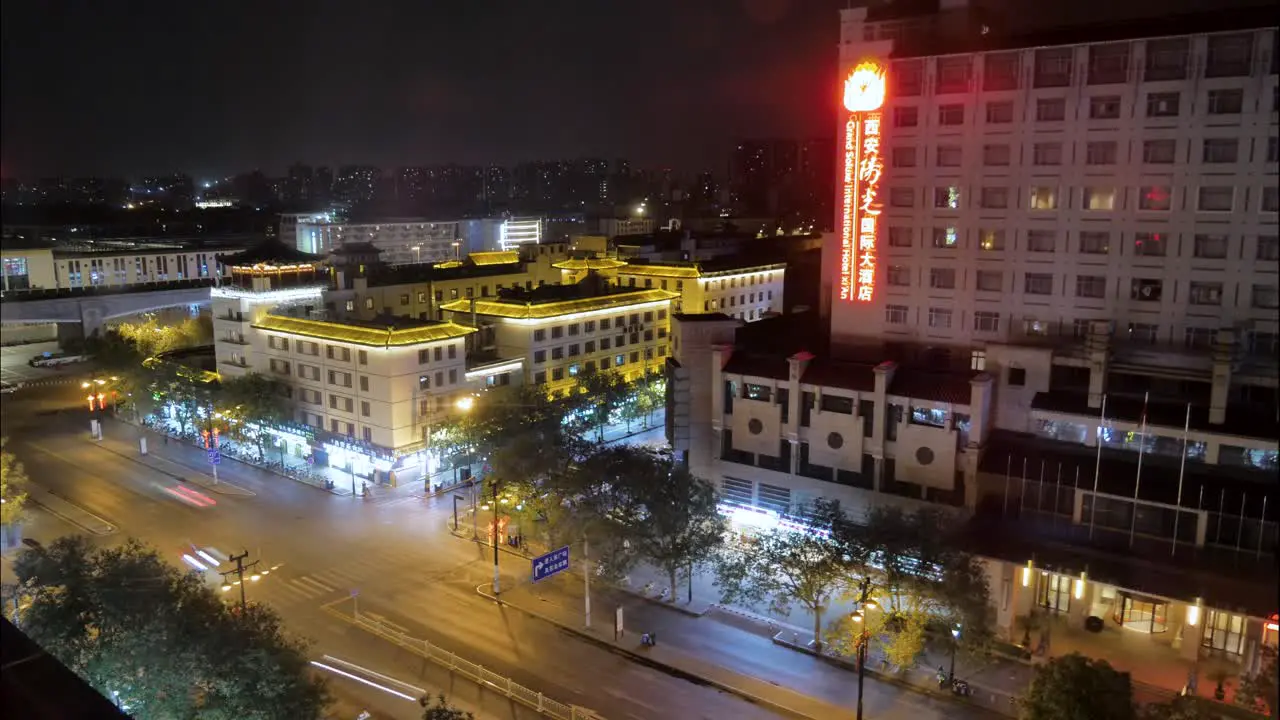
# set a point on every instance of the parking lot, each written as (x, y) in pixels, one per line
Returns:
(14, 367)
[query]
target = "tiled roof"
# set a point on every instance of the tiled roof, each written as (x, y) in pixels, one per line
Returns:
(525, 310)
(363, 334)
(589, 264)
(833, 373)
(496, 257)
(1240, 421)
(767, 366)
(950, 388)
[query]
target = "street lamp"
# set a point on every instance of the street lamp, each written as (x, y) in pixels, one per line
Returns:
(865, 603)
(955, 641)
(417, 253)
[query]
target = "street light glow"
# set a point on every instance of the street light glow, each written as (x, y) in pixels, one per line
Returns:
(465, 403)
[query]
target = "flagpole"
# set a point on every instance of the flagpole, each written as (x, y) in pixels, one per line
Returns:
(1182, 468)
(1137, 485)
(1097, 466)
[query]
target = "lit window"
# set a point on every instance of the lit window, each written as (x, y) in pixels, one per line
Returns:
(1044, 198)
(947, 237)
(1155, 198)
(991, 240)
(947, 198)
(1149, 244)
(1099, 198)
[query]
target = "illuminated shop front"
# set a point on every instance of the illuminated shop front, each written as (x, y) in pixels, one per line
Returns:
(864, 95)
(1140, 613)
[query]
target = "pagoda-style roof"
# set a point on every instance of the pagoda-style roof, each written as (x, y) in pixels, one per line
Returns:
(589, 264)
(270, 253)
(396, 332)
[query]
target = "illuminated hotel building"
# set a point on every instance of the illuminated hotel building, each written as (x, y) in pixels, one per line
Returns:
(741, 287)
(556, 332)
(1068, 330)
(364, 393)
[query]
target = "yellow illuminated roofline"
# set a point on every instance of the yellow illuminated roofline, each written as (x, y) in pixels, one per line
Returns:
(448, 264)
(589, 264)
(670, 271)
(360, 334)
(495, 257)
(267, 268)
(528, 313)
(741, 272)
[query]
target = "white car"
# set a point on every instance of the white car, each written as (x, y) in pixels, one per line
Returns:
(8, 387)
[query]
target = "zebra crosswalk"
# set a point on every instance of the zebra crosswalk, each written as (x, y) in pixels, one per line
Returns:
(282, 585)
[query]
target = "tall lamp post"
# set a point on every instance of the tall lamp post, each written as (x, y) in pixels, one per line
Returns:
(955, 640)
(865, 603)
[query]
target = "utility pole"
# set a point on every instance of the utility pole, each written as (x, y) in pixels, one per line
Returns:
(497, 588)
(241, 566)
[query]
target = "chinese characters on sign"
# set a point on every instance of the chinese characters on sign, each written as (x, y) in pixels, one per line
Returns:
(864, 94)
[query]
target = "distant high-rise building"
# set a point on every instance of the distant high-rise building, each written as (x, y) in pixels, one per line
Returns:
(300, 184)
(323, 187)
(357, 183)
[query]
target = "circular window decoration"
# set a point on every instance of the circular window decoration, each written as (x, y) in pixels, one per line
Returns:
(754, 426)
(924, 456)
(835, 441)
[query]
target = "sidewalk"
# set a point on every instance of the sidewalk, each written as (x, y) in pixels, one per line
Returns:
(173, 464)
(193, 458)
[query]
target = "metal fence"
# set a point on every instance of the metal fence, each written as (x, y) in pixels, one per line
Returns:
(476, 673)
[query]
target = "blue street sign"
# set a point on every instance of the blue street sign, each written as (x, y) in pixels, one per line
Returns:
(215, 457)
(553, 562)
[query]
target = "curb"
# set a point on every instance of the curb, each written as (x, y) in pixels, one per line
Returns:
(649, 662)
(212, 487)
(893, 679)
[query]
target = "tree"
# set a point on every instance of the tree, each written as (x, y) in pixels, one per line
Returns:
(158, 639)
(255, 402)
(784, 566)
(657, 509)
(1073, 687)
(13, 478)
(442, 710)
(1257, 692)
(600, 393)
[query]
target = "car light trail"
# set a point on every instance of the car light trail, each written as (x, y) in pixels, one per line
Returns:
(359, 679)
(193, 562)
(213, 562)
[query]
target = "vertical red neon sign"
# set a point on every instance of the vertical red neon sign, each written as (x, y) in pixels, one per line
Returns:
(864, 94)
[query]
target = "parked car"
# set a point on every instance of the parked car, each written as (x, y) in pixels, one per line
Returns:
(8, 387)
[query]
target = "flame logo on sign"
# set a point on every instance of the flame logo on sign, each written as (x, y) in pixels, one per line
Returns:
(865, 89)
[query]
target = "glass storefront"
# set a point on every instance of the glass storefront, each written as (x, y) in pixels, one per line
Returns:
(1224, 632)
(1055, 592)
(1144, 614)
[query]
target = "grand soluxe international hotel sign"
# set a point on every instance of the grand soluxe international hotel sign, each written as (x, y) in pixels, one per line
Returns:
(864, 95)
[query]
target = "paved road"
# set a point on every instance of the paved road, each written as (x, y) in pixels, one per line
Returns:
(395, 552)
(14, 359)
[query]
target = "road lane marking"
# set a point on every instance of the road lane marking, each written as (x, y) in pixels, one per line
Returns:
(321, 587)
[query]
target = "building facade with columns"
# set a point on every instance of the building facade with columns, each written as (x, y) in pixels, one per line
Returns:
(1071, 338)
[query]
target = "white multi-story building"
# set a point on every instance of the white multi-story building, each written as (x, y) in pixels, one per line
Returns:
(1031, 190)
(401, 242)
(554, 333)
(369, 392)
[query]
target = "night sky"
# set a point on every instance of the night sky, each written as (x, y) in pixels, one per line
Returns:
(136, 87)
(130, 88)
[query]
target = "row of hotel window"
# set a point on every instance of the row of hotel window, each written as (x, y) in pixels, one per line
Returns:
(1153, 443)
(1161, 151)
(339, 378)
(115, 271)
(1102, 107)
(990, 322)
(1162, 60)
(589, 326)
(337, 427)
(618, 361)
(1204, 246)
(342, 354)
(589, 347)
(1097, 198)
(1144, 290)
